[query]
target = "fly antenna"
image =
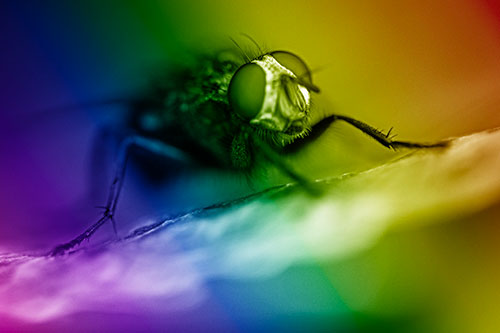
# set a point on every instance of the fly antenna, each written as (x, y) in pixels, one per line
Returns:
(245, 56)
(311, 71)
(253, 41)
(310, 86)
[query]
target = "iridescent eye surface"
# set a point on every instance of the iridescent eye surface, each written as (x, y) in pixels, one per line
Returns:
(297, 66)
(246, 91)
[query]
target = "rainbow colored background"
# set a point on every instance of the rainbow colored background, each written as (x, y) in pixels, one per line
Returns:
(428, 68)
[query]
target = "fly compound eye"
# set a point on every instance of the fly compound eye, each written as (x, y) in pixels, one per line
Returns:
(246, 91)
(297, 66)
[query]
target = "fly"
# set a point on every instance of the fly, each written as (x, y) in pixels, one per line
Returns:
(225, 113)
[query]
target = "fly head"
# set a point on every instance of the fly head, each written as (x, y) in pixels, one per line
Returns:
(273, 94)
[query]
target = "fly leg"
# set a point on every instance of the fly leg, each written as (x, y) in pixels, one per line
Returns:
(155, 147)
(273, 157)
(385, 139)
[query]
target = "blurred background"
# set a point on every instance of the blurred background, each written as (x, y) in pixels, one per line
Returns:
(429, 69)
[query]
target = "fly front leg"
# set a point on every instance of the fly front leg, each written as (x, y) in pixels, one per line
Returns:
(273, 157)
(384, 139)
(153, 146)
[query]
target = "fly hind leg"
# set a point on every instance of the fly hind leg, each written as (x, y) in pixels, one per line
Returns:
(153, 146)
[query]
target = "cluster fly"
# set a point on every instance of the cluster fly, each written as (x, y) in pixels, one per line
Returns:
(224, 113)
